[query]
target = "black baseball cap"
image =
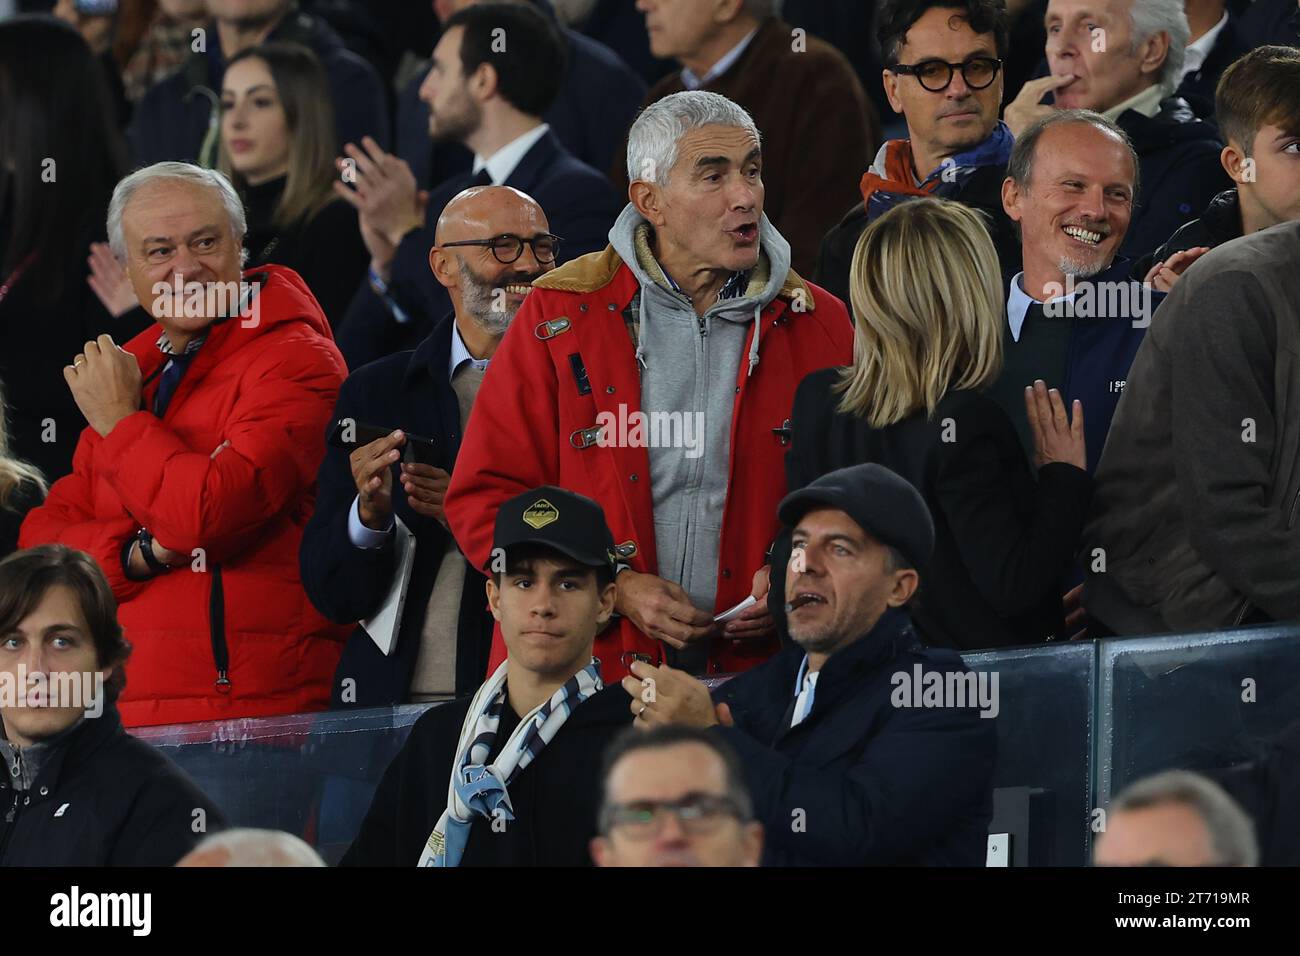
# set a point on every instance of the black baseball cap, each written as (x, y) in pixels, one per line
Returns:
(572, 524)
(884, 505)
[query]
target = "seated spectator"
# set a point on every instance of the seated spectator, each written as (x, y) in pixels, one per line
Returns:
(246, 847)
(928, 306)
(164, 46)
(1258, 107)
(1176, 818)
(22, 488)
(956, 148)
(491, 100)
(598, 98)
(193, 482)
(1272, 22)
(1194, 507)
(691, 332)
(844, 765)
(507, 777)
(277, 148)
(1075, 316)
(349, 551)
(675, 796)
(120, 802)
(1214, 43)
(620, 26)
(179, 118)
(1124, 60)
(802, 92)
(60, 157)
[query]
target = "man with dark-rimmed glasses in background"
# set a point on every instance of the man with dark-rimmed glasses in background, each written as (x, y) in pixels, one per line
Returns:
(943, 75)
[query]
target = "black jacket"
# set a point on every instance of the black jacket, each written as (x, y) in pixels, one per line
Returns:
(580, 206)
(877, 784)
(22, 499)
(598, 98)
(172, 118)
(1272, 21)
(104, 798)
(326, 249)
(411, 391)
(1198, 86)
(982, 191)
(555, 798)
(1180, 169)
(1219, 223)
(1003, 541)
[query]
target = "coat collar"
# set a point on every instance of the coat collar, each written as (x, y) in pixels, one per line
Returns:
(81, 740)
(431, 355)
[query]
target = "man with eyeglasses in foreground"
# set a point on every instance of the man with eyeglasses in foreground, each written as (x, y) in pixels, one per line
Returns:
(492, 242)
(675, 796)
(944, 77)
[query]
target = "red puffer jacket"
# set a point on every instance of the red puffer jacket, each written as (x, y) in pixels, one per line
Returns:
(226, 475)
(528, 418)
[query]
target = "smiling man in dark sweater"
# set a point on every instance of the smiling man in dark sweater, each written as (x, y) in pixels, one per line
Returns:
(511, 776)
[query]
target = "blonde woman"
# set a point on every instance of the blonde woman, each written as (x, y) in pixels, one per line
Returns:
(928, 306)
(22, 488)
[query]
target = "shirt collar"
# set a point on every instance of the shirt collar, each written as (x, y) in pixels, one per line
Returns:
(165, 344)
(692, 81)
(501, 164)
(1198, 52)
(1147, 103)
(460, 354)
(733, 288)
(1019, 302)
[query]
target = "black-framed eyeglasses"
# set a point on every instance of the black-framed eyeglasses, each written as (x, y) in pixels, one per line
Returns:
(979, 72)
(507, 248)
(696, 812)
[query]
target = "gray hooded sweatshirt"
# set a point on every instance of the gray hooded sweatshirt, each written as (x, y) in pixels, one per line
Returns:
(689, 366)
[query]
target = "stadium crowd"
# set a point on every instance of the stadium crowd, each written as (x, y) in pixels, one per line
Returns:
(644, 385)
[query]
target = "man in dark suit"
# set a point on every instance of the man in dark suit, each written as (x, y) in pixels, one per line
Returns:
(598, 99)
(350, 549)
(491, 100)
(860, 747)
(175, 119)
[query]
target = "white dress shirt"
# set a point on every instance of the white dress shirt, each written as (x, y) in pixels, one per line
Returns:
(805, 688)
(1198, 52)
(503, 162)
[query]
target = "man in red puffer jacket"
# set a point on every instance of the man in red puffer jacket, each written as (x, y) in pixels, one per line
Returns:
(193, 482)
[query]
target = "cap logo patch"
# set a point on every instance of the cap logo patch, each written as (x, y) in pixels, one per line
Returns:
(540, 513)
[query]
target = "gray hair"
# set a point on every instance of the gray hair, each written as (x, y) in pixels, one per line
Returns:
(652, 141)
(183, 172)
(1149, 17)
(1021, 165)
(249, 847)
(1232, 833)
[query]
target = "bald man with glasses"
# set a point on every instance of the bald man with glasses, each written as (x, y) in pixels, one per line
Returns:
(491, 243)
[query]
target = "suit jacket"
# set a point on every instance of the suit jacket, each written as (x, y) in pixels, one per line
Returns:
(879, 784)
(580, 206)
(411, 391)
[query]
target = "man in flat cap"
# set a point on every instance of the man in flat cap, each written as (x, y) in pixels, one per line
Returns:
(860, 746)
(511, 776)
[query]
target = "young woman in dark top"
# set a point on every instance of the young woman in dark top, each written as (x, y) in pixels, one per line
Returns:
(277, 147)
(928, 306)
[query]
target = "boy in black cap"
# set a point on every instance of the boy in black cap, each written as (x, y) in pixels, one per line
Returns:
(860, 746)
(510, 777)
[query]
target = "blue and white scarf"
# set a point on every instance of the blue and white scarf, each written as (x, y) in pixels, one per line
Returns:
(479, 789)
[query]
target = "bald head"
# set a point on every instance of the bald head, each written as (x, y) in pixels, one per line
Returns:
(481, 212)
(247, 847)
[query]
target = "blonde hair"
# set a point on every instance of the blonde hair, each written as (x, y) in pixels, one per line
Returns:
(928, 308)
(13, 472)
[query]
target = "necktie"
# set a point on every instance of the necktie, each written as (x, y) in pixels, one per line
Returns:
(171, 377)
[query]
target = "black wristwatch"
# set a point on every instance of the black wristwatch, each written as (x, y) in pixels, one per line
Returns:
(145, 540)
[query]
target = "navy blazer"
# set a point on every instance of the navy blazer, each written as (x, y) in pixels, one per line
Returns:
(599, 97)
(411, 391)
(877, 784)
(580, 205)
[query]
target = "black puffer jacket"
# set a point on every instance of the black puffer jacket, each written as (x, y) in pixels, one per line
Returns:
(1219, 223)
(103, 798)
